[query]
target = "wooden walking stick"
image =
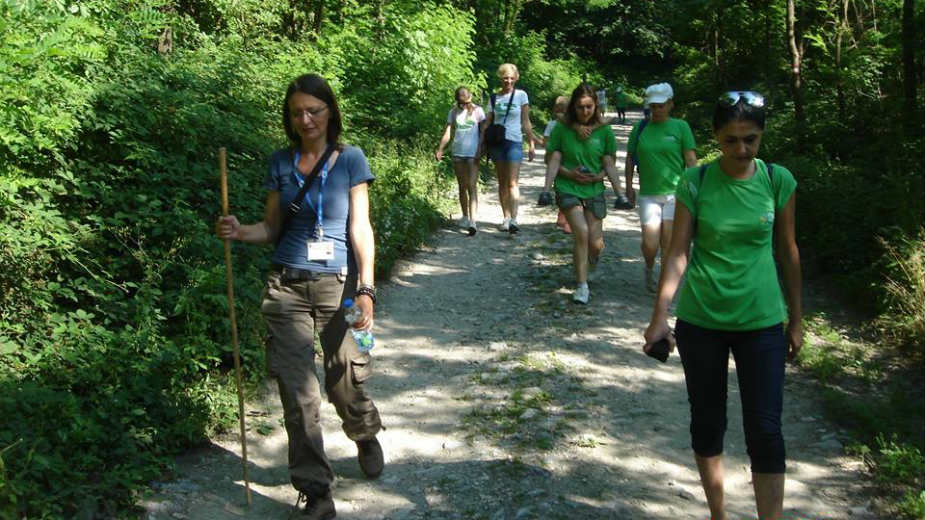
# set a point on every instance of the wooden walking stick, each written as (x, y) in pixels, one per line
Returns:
(234, 324)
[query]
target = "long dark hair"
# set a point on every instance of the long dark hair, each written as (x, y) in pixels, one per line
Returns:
(571, 113)
(314, 85)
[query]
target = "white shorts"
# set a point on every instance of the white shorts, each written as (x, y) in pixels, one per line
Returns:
(654, 209)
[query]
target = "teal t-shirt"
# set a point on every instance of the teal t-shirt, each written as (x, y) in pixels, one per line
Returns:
(581, 152)
(661, 154)
(621, 99)
(731, 280)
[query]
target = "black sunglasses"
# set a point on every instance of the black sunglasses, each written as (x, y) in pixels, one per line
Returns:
(731, 98)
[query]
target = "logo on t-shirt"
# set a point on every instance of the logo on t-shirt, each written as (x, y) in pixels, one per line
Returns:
(767, 219)
(671, 138)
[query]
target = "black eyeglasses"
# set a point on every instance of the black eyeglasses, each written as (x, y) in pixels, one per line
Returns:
(752, 99)
(312, 113)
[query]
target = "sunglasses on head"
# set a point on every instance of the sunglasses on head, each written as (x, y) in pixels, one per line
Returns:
(752, 99)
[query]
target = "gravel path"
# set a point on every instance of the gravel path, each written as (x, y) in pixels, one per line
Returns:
(504, 400)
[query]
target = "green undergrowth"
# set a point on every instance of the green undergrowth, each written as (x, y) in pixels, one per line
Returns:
(877, 395)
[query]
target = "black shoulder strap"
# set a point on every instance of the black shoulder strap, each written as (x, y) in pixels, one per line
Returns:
(510, 102)
(295, 206)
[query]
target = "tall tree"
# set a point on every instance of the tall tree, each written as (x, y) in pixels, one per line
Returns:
(797, 47)
(909, 45)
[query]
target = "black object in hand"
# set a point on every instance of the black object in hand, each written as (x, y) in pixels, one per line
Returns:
(659, 350)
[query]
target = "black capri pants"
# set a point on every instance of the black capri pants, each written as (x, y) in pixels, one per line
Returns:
(759, 357)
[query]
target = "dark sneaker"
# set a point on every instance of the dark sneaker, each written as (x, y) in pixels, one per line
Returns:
(622, 202)
(545, 199)
(315, 508)
(513, 228)
(369, 453)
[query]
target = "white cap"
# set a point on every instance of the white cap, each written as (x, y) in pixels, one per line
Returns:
(659, 93)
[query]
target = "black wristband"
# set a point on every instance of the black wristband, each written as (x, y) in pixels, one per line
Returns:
(368, 290)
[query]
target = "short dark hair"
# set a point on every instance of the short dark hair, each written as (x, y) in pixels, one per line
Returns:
(741, 111)
(314, 85)
(582, 90)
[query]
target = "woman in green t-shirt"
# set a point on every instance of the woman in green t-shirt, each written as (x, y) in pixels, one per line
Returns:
(579, 166)
(737, 212)
(660, 148)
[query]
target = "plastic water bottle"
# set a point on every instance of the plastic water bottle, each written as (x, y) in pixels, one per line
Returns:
(363, 338)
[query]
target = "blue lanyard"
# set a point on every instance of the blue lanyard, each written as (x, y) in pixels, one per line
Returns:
(319, 224)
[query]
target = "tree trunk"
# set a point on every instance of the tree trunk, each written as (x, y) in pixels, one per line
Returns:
(843, 28)
(319, 16)
(795, 42)
(909, 45)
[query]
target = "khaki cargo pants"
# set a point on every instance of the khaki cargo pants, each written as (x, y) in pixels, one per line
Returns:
(293, 310)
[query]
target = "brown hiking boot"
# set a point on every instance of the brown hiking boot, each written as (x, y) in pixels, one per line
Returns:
(315, 508)
(369, 453)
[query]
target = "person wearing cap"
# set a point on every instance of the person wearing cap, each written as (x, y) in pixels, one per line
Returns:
(661, 148)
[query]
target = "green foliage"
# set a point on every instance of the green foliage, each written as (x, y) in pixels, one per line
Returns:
(904, 318)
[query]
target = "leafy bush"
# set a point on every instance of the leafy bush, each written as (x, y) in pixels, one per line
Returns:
(904, 319)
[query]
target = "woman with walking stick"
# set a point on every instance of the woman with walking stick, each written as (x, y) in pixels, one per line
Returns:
(324, 254)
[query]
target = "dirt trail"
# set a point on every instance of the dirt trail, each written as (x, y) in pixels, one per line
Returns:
(504, 400)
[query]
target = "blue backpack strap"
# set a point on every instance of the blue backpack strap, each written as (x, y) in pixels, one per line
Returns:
(642, 126)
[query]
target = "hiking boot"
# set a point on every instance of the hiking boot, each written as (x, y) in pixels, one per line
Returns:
(315, 508)
(622, 202)
(369, 453)
(581, 294)
(545, 199)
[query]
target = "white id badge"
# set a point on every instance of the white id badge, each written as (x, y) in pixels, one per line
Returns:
(321, 250)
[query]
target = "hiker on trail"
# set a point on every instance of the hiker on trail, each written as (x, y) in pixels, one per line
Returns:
(510, 108)
(324, 254)
(738, 212)
(602, 100)
(621, 105)
(464, 123)
(579, 167)
(660, 148)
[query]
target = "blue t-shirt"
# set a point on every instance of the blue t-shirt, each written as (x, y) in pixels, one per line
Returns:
(350, 170)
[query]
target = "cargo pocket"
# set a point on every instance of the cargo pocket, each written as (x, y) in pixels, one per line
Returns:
(361, 367)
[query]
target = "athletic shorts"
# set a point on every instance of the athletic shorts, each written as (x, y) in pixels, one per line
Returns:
(509, 151)
(597, 204)
(653, 209)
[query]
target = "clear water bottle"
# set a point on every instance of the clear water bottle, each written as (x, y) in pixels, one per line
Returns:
(363, 338)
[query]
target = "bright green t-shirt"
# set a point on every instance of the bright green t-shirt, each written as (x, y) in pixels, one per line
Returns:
(587, 152)
(731, 280)
(661, 154)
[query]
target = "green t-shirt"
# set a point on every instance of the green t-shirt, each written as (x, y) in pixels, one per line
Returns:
(731, 280)
(661, 155)
(587, 152)
(621, 99)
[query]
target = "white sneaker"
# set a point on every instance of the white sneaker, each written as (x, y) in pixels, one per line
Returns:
(581, 294)
(505, 225)
(651, 281)
(472, 228)
(464, 223)
(513, 227)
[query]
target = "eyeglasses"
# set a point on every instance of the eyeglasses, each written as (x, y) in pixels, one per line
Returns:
(312, 113)
(752, 99)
